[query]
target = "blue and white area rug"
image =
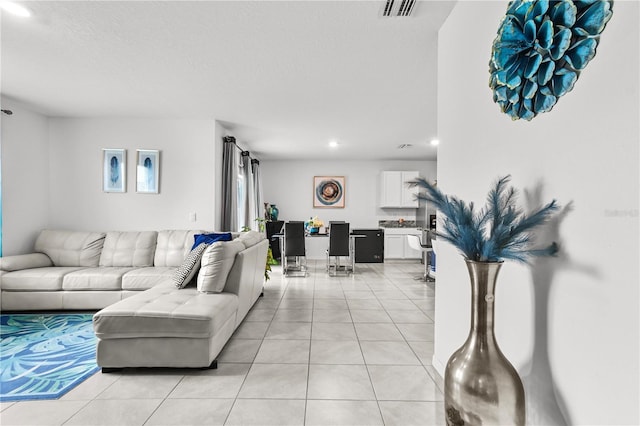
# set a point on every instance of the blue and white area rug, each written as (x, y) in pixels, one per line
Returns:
(43, 356)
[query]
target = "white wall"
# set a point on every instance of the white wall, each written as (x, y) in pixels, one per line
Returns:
(186, 174)
(289, 185)
(581, 337)
(25, 171)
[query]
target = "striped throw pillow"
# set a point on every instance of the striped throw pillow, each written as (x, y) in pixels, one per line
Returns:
(185, 272)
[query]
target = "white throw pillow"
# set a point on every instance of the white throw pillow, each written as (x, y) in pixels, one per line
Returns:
(191, 264)
(216, 264)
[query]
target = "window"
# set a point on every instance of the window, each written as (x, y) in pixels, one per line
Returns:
(242, 185)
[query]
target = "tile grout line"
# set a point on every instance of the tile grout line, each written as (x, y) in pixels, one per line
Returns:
(91, 400)
(235, 400)
(366, 366)
(163, 400)
(406, 342)
(76, 413)
(306, 391)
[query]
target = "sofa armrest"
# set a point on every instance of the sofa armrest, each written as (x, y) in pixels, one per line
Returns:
(24, 261)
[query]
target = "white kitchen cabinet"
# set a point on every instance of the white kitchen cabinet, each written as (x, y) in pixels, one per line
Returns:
(396, 245)
(394, 191)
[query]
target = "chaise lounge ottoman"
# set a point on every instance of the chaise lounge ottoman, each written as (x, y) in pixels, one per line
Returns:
(165, 327)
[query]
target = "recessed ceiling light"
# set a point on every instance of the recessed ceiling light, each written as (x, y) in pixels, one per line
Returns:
(333, 144)
(15, 9)
(435, 142)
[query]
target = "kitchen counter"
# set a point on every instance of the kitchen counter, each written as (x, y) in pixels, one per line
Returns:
(396, 224)
(403, 231)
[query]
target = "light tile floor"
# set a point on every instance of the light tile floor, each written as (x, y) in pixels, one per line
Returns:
(317, 350)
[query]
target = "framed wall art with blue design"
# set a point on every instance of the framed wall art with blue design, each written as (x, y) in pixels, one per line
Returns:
(114, 170)
(148, 171)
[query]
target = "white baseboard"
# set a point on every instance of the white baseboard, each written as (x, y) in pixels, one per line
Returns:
(438, 365)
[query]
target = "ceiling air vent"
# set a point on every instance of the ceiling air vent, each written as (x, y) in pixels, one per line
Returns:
(393, 8)
(404, 146)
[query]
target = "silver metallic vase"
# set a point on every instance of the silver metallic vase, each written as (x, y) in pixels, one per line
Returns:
(481, 386)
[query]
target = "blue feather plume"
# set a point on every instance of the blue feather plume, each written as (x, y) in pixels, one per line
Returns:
(508, 235)
(114, 170)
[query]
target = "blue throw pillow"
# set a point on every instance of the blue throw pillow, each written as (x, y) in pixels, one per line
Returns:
(210, 238)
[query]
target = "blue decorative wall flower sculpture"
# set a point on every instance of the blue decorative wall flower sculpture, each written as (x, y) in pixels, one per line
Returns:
(541, 48)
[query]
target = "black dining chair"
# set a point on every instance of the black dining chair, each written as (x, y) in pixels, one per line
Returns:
(272, 228)
(339, 247)
(331, 222)
(294, 261)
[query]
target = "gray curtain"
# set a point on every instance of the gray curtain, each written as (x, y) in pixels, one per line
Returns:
(229, 184)
(257, 189)
(246, 193)
(241, 193)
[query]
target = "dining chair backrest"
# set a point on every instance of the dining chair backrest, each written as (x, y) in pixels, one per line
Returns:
(339, 239)
(272, 228)
(294, 239)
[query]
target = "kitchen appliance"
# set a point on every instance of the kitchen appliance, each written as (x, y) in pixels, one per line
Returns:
(370, 248)
(427, 235)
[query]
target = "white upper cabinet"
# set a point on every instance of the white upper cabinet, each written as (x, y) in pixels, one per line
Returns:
(394, 191)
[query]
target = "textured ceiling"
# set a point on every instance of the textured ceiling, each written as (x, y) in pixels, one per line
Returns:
(283, 77)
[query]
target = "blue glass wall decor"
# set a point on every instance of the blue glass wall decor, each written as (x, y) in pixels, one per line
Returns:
(541, 48)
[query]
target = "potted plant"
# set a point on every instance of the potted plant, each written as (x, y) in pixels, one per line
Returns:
(270, 259)
(481, 385)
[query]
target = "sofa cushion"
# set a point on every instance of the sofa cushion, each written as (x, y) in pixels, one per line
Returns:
(37, 279)
(172, 247)
(145, 278)
(71, 248)
(165, 311)
(129, 249)
(251, 238)
(210, 238)
(101, 278)
(216, 263)
(185, 272)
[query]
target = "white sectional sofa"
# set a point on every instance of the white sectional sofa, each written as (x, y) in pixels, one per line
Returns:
(145, 320)
(74, 270)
